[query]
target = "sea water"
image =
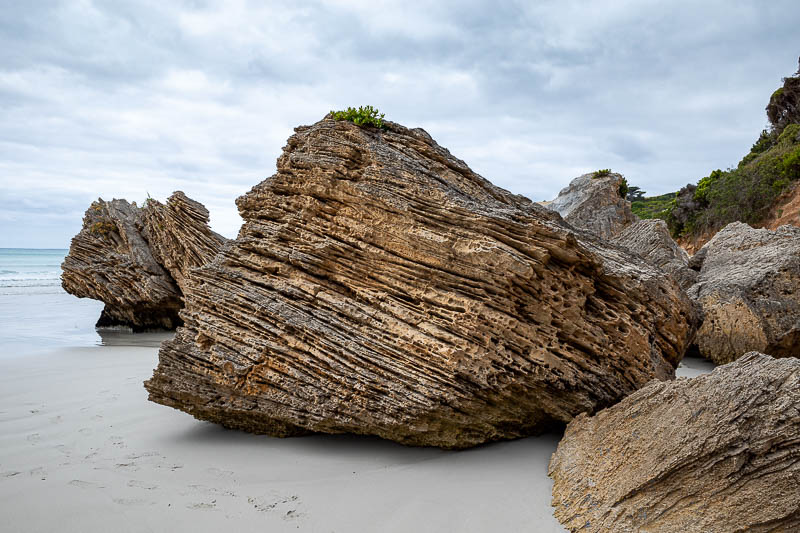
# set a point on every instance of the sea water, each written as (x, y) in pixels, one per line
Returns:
(37, 315)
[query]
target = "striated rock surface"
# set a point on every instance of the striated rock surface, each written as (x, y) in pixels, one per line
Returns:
(110, 260)
(720, 452)
(594, 204)
(379, 286)
(651, 240)
(179, 235)
(749, 291)
(137, 260)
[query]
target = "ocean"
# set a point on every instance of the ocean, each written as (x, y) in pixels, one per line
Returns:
(37, 315)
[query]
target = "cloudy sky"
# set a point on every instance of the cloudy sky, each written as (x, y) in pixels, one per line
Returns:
(118, 99)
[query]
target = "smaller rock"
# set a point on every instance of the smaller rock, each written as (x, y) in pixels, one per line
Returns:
(749, 291)
(110, 260)
(594, 203)
(719, 452)
(651, 240)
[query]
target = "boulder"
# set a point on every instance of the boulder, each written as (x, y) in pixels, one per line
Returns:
(110, 260)
(651, 240)
(719, 452)
(594, 203)
(137, 260)
(379, 286)
(749, 291)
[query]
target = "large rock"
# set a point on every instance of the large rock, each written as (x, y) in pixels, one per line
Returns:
(720, 452)
(651, 240)
(136, 260)
(594, 203)
(379, 286)
(749, 291)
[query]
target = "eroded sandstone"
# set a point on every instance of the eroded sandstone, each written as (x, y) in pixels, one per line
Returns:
(720, 452)
(379, 286)
(749, 291)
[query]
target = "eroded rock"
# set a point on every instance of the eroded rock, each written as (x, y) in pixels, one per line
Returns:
(137, 260)
(110, 260)
(749, 291)
(720, 452)
(651, 240)
(594, 203)
(379, 286)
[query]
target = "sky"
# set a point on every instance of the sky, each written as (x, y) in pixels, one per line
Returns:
(119, 99)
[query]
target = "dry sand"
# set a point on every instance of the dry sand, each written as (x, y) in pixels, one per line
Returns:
(81, 449)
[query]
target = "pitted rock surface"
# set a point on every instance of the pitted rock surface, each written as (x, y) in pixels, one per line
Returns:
(719, 452)
(593, 203)
(749, 291)
(379, 286)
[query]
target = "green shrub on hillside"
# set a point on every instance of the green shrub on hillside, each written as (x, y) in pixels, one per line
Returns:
(623, 188)
(363, 116)
(654, 206)
(602, 173)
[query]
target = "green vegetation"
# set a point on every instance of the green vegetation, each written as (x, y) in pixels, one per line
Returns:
(623, 188)
(363, 116)
(653, 206)
(102, 228)
(602, 173)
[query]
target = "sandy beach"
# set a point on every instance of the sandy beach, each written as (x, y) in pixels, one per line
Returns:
(83, 450)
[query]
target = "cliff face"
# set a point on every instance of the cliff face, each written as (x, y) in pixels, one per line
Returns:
(379, 286)
(136, 260)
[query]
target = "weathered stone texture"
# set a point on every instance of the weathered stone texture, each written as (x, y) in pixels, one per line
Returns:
(593, 203)
(749, 291)
(651, 240)
(379, 286)
(720, 452)
(110, 260)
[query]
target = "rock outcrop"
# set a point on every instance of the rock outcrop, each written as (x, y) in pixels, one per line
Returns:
(179, 235)
(594, 203)
(651, 240)
(379, 286)
(749, 291)
(136, 260)
(720, 452)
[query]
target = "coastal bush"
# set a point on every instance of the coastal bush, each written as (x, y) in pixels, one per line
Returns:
(363, 116)
(653, 206)
(102, 228)
(602, 173)
(623, 188)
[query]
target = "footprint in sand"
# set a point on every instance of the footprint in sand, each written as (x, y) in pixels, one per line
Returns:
(56, 419)
(142, 485)
(117, 441)
(85, 484)
(33, 438)
(203, 505)
(97, 417)
(9, 473)
(203, 489)
(287, 506)
(219, 473)
(128, 467)
(85, 431)
(130, 502)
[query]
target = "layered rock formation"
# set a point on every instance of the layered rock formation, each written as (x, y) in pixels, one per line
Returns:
(749, 291)
(651, 240)
(720, 452)
(594, 203)
(179, 235)
(136, 260)
(379, 286)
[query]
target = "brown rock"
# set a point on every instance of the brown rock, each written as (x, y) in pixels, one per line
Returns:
(749, 291)
(651, 240)
(179, 235)
(593, 203)
(137, 260)
(720, 452)
(110, 260)
(379, 286)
